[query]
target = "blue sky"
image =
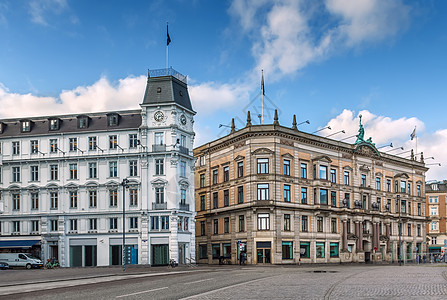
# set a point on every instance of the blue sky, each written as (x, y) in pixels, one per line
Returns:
(325, 61)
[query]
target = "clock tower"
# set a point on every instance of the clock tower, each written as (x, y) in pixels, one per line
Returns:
(167, 135)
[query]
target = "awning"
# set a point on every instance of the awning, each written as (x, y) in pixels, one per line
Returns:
(18, 243)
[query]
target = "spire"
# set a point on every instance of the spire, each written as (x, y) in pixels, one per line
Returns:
(294, 123)
(248, 119)
(233, 128)
(275, 119)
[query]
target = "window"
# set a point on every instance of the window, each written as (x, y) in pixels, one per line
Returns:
(53, 225)
(320, 221)
(346, 177)
(34, 146)
(363, 180)
(215, 176)
(182, 196)
(159, 195)
(215, 250)
(73, 144)
(333, 225)
(202, 228)
(113, 169)
(180, 223)
(82, 122)
(418, 190)
(155, 223)
(286, 222)
(287, 250)
(434, 240)
(304, 195)
(333, 250)
(112, 119)
(226, 195)
(73, 171)
(304, 225)
(113, 223)
(409, 229)
(216, 226)
(323, 197)
(183, 169)
(133, 141)
(433, 211)
(159, 166)
(263, 165)
(263, 221)
(133, 197)
(388, 185)
(34, 173)
(26, 126)
(73, 225)
(226, 173)
(240, 169)
(159, 138)
(202, 180)
(182, 140)
(333, 175)
(113, 198)
(203, 251)
(16, 226)
(15, 148)
(319, 249)
(286, 166)
(133, 223)
(54, 200)
(34, 226)
(334, 199)
(263, 191)
(92, 170)
(323, 172)
(54, 124)
(53, 146)
(286, 193)
(93, 198)
(113, 141)
(305, 249)
(378, 183)
(241, 223)
(403, 186)
(347, 200)
(419, 209)
(202, 203)
(418, 230)
(240, 194)
(92, 143)
(15, 201)
(409, 188)
(165, 222)
(54, 172)
(133, 168)
(215, 200)
(34, 200)
(93, 224)
(73, 199)
(15, 174)
(303, 170)
(226, 225)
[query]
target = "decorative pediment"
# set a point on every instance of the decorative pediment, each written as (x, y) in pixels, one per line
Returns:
(14, 188)
(52, 186)
(366, 149)
(71, 187)
(262, 151)
(347, 168)
(364, 168)
(239, 157)
(323, 158)
(379, 174)
(225, 164)
(91, 184)
(32, 188)
(184, 184)
(112, 184)
(287, 155)
(159, 182)
(402, 175)
(419, 182)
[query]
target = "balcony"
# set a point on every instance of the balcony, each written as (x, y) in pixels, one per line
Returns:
(159, 206)
(184, 207)
(184, 150)
(158, 148)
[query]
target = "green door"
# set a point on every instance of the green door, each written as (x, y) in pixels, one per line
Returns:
(160, 255)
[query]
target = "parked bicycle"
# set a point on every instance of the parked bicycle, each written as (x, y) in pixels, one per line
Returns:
(172, 263)
(51, 264)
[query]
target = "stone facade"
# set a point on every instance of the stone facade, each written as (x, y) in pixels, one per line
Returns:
(436, 193)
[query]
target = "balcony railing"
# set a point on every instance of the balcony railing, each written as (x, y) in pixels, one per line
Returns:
(184, 150)
(158, 148)
(159, 206)
(168, 72)
(184, 207)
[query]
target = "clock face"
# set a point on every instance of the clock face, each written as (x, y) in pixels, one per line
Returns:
(183, 119)
(158, 116)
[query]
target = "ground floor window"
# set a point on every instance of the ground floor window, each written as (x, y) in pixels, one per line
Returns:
(160, 254)
(216, 250)
(287, 250)
(333, 249)
(80, 257)
(226, 250)
(203, 251)
(305, 249)
(319, 249)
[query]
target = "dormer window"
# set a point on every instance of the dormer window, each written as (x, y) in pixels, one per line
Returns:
(54, 124)
(25, 126)
(112, 119)
(82, 122)
(2, 127)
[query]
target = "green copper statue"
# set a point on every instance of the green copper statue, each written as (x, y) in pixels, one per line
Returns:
(361, 135)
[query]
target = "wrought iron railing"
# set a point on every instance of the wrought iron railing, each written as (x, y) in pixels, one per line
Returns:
(159, 206)
(168, 72)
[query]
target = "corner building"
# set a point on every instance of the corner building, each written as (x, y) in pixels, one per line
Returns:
(282, 196)
(62, 181)
(436, 195)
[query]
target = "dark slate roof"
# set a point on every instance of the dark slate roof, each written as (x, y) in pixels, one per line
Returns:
(167, 90)
(130, 119)
(442, 186)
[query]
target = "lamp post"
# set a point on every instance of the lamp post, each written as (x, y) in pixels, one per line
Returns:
(125, 184)
(399, 249)
(340, 131)
(327, 127)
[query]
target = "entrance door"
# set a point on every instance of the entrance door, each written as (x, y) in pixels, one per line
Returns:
(116, 254)
(181, 254)
(263, 256)
(54, 252)
(160, 255)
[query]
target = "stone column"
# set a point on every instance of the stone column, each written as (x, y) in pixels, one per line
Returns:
(345, 235)
(360, 236)
(387, 233)
(374, 234)
(357, 233)
(377, 236)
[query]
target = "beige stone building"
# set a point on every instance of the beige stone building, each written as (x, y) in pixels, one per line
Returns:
(278, 196)
(436, 193)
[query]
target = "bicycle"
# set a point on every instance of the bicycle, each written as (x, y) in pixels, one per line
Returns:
(51, 264)
(172, 263)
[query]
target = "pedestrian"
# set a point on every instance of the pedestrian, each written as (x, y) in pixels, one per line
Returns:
(241, 257)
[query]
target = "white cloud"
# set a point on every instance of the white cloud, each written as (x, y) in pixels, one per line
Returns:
(39, 9)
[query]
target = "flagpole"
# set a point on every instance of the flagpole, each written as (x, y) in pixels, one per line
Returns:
(262, 101)
(167, 51)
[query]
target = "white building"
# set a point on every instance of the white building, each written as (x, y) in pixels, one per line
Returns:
(62, 177)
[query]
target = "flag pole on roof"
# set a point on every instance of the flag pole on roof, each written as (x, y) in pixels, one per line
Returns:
(412, 136)
(263, 93)
(168, 41)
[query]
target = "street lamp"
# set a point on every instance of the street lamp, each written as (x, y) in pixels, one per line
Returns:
(349, 137)
(340, 131)
(387, 145)
(399, 248)
(307, 122)
(327, 127)
(401, 148)
(125, 185)
(434, 164)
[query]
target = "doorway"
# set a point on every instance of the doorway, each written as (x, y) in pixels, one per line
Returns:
(54, 252)
(181, 254)
(263, 253)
